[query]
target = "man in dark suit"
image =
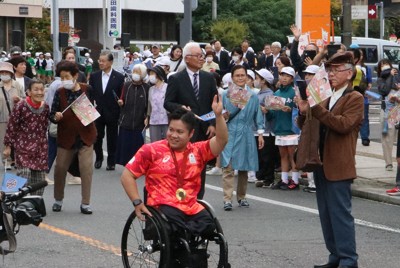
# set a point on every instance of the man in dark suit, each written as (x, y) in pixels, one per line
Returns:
(248, 55)
(276, 53)
(262, 60)
(107, 84)
(223, 58)
(193, 90)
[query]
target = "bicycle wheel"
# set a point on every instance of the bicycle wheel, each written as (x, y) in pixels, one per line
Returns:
(145, 243)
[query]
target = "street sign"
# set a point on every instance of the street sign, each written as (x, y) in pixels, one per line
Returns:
(372, 12)
(114, 18)
(359, 12)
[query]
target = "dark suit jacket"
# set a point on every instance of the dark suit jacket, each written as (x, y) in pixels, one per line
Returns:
(180, 92)
(262, 62)
(250, 59)
(106, 102)
(27, 82)
(223, 62)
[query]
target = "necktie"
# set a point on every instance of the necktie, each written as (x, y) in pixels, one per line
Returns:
(195, 85)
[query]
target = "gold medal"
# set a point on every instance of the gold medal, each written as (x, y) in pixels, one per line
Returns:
(180, 194)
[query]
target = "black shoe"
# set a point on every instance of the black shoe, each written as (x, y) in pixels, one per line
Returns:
(347, 266)
(327, 265)
(110, 167)
(365, 142)
(86, 210)
(56, 207)
(98, 164)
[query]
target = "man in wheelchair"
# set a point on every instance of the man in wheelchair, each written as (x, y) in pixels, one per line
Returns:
(172, 168)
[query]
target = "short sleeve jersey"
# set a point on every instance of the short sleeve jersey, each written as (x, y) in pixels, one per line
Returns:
(155, 161)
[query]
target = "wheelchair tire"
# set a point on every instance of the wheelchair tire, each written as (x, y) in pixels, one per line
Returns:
(145, 243)
(217, 246)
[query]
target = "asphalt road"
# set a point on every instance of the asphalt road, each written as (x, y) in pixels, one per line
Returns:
(280, 229)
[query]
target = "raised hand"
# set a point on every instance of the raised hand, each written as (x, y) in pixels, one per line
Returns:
(217, 105)
(296, 32)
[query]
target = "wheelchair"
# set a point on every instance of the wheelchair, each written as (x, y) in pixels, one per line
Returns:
(151, 243)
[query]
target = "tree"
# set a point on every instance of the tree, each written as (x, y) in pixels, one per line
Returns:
(38, 33)
(267, 20)
(230, 32)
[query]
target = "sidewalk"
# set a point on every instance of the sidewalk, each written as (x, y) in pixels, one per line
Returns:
(373, 180)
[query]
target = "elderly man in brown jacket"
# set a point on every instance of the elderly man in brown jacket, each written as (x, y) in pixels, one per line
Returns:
(340, 117)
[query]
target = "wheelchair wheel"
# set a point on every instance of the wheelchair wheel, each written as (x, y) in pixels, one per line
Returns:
(216, 245)
(145, 243)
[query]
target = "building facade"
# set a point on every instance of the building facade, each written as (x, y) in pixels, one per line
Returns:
(13, 14)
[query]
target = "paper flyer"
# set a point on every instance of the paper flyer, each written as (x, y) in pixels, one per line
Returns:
(274, 102)
(319, 88)
(84, 110)
(238, 96)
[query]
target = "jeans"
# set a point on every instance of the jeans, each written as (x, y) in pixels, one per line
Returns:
(364, 130)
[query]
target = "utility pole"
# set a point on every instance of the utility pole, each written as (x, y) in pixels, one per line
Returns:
(104, 24)
(186, 23)
(214, 10)
(381, 20)
(346, 30)
(56, 30)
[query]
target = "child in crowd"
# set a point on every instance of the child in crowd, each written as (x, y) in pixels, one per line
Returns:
(285, 138)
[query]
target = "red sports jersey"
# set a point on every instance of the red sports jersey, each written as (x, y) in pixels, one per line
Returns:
(157, 164)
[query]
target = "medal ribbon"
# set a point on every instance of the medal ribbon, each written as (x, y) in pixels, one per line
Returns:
(180, 173)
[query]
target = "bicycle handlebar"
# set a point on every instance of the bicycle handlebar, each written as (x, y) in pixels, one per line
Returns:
(25, 190)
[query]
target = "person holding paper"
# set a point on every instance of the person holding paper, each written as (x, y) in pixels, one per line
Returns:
(27, 134)
(241, 151)
(72, 135)
(341, 117)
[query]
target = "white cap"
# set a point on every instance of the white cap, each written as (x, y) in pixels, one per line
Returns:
(47, 54)
(289, 71)
(23, 53)
(226, 80)
(137, 53)
(265, 74)
(311, 69)
(87, 54)
(251, 74)
(28, 53)
(163, 61)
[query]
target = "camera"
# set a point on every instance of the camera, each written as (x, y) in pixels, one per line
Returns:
(17, 209)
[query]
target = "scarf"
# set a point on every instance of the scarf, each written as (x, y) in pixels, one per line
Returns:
(33, 105)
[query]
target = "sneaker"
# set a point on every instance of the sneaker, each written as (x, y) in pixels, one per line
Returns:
(292, 185)
(279, 185)
(365, 142)
(227, 206)
(235, 173)
(243, 203)
(215, 171)
(309, 189)
(252, 179)
(74, 181)
(389, 167)
(393, 192)
(263, 184)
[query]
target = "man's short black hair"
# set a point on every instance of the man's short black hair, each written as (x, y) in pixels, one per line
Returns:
(186, 116)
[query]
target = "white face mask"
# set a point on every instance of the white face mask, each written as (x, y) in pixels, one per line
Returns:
(256, 84)
(152, 79)
(235, 58)
(5, 77)
(136, 77)
(385, 67)
(287, 53)
(68, 84)
(209, 59)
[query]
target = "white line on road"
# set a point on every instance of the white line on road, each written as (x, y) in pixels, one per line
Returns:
(310, 210)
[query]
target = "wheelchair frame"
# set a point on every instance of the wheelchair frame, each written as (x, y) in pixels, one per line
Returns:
(150, 243)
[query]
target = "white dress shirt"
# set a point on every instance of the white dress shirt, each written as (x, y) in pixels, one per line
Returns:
(191, 73)
(104, 79)
(336, 96)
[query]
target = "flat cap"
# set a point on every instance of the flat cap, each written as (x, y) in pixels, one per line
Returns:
(340, 58)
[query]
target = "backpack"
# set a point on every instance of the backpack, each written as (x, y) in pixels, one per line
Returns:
(360, 82)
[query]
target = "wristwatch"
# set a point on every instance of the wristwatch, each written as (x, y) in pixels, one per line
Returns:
(137, 202)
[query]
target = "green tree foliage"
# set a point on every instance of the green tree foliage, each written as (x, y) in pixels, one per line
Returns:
(267, 20)
(38, 33)
(229, 31)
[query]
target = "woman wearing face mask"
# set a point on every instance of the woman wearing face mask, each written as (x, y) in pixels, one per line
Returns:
(11, 92)
(237, 59)
(387, 80)
(210, 65)
(133, 103)
(72, 135)
(27, 134)
(157, 117)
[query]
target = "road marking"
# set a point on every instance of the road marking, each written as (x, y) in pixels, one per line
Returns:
(87, 240)
(310, 210)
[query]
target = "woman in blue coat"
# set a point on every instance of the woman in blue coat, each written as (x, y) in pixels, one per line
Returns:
(241, 151)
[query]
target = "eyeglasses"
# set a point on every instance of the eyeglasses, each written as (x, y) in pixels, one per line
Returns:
(199, 56)
(335, 71)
